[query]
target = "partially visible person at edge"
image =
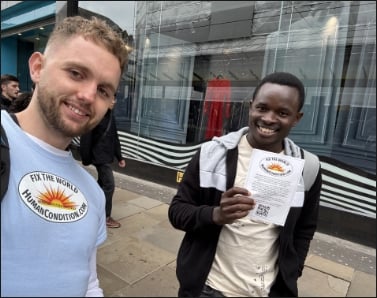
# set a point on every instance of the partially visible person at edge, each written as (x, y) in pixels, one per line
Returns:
(224, 252)
(10, 87)
(20, 102)
(103, 142)
(53, 214)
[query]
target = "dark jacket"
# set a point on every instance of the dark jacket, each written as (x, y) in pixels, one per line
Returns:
(5, 103)
(102, 142)
(191, 211)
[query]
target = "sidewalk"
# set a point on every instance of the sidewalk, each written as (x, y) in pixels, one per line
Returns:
(138, 259)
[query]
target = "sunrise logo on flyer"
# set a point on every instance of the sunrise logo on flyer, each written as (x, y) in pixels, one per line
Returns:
(276, 166)
(52, 197)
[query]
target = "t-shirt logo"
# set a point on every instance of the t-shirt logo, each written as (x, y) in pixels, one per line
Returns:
(52, 197)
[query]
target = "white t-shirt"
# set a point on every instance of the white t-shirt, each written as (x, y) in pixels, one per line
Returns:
(247, 250)
(52, 220)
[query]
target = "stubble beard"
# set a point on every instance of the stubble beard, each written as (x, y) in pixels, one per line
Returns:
(49, 106)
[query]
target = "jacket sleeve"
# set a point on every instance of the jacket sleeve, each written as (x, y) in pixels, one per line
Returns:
(86, 148)
(188, 211)
(307, 222)
(117, 146)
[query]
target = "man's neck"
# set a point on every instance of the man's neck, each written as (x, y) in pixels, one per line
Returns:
(47, 134)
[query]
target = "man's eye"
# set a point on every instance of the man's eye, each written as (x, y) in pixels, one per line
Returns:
(75, 74)
(261, 109)
(104, 93)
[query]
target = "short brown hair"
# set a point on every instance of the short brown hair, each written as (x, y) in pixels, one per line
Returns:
(6, 78)
(93, 29)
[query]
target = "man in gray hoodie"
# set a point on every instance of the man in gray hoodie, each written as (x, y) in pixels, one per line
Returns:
(224, 252)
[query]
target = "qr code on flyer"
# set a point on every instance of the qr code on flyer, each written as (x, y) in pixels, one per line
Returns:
(262, 210)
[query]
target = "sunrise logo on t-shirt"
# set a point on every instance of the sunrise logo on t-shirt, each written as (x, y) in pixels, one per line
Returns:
(52, 197)
(57, 198)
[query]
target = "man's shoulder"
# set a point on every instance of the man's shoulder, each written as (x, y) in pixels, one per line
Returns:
(5, 104)
(83, 172)
(228, 141)
(310, 157)
(4, 99)
(311, 168)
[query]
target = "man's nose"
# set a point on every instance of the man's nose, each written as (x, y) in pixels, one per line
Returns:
(88, 92)
(269, 117)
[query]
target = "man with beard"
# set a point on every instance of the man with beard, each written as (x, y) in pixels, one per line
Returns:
(53, 214)
(10, 87)
(224, 252)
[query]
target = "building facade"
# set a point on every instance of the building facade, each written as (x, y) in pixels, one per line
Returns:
(194, 65)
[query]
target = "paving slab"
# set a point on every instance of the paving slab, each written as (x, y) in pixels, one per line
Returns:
(109, 282)
(132, 259)
(329, 267)
(123, 195)
(145, 202)
(162, 236)
(131, 225)
(341, 251)
(315, 283)
(159, 212)
(160, 283)
(363, 285)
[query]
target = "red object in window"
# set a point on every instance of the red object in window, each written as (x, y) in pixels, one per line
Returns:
(216, 106)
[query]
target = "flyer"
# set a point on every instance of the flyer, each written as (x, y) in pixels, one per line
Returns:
(272, 180)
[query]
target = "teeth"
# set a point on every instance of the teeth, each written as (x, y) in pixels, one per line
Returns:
(77, 111)
(266, 130)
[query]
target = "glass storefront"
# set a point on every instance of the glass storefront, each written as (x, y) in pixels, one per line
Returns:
(194, 65)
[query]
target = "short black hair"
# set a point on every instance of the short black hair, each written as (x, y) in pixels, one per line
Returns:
(8, 78)
(283, 78)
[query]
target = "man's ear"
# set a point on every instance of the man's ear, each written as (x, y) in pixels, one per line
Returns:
(250, 103)
(35, 66)
(298, 118)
